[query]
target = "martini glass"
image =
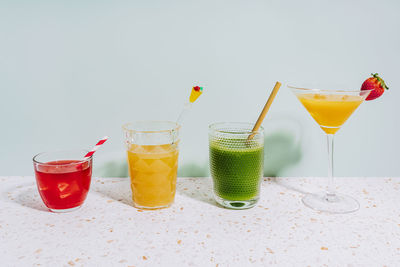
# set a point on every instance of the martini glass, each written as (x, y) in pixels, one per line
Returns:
(330, 109)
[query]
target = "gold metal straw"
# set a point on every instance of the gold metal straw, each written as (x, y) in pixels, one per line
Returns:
(265, 110)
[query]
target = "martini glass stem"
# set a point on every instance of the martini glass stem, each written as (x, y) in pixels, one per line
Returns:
(331, 192)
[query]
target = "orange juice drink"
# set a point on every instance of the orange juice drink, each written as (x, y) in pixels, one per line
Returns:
(152, 152)
(330, 111)
(153, 169)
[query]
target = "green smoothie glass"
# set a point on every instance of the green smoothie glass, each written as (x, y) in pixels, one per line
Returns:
(236, 163)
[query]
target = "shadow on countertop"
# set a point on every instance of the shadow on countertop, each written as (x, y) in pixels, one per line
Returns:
(119, 191)
(26, 195)
(199, 189)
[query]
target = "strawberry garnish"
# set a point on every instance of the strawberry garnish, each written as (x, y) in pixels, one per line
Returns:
(198, 88)
(376, 84)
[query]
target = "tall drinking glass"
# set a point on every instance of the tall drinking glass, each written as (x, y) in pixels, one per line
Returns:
(330, 109)
(152, 151)
(236, 163)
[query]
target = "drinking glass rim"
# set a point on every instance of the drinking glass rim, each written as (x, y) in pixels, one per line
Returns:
(80, 161)
(328, 90)
(250, 131)
(176, 128)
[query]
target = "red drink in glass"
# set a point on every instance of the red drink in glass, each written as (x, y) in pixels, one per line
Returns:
(63, 184)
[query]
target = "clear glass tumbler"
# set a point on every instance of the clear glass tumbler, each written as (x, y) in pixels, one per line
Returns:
(152, 151)
(63, 178)
(236, 163)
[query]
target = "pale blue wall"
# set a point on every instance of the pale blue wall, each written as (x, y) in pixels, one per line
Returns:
(73, 71)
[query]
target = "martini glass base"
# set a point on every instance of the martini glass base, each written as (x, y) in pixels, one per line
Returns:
(338, 204)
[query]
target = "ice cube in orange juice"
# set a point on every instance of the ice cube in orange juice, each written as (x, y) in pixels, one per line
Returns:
(153, 170)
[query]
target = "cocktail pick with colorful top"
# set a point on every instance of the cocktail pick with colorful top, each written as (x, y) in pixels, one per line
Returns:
(194, 94)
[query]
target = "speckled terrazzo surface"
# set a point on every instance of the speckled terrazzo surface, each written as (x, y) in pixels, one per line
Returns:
(108, 231)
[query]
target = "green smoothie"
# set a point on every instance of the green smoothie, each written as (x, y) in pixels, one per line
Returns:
(237, 168)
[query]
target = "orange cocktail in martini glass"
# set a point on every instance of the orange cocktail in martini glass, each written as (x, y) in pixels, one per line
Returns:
(330, 109)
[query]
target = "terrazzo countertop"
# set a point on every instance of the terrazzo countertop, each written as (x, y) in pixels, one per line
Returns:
(280, 230)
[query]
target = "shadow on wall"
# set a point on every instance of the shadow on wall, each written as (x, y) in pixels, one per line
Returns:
(115, 168)
(194, 169)
(282, 150)
(282, 145)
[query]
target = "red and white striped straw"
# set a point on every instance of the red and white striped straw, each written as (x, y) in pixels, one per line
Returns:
(97, 146)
